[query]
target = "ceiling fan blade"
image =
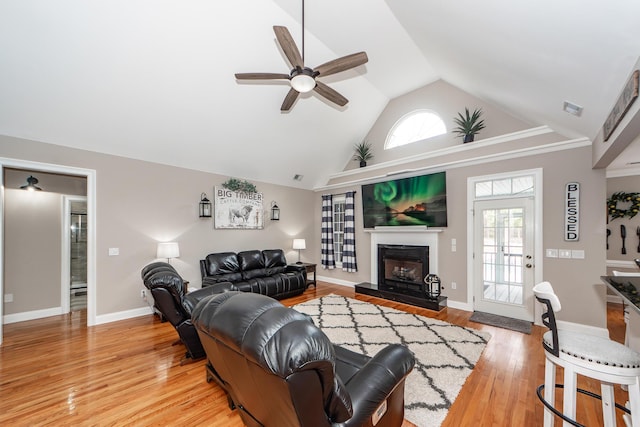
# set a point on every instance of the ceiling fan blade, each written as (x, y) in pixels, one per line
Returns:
(289, 99)
(342, 64)
(288, 46)
(330, 94)
(261, 76)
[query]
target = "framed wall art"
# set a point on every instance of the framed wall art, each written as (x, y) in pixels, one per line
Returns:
(238, 210)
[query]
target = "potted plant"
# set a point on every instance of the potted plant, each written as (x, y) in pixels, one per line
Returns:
(363, 152)
(469, 124)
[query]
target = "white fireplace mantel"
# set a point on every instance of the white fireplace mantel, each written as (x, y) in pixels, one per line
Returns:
(404, 235)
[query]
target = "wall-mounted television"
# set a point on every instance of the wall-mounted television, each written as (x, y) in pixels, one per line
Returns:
(419, 200)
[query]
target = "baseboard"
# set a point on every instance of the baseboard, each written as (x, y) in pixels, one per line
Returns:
(459, 305)
(335, 281)
(123, 315)
(31, 315)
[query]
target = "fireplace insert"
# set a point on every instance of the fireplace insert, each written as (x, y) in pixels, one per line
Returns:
(403, 268)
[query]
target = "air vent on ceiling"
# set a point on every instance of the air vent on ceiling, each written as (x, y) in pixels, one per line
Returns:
(572, 108)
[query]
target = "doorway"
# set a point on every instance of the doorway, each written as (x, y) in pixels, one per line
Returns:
(74, 235)
(90, 176)
(503, 260)
(505, 239)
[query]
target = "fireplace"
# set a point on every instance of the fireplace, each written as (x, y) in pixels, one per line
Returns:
(398, 271)
(402, 267)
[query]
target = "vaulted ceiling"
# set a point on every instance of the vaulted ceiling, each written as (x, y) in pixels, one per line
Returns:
(154, 80)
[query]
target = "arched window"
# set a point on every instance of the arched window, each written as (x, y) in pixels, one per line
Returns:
(415, 126)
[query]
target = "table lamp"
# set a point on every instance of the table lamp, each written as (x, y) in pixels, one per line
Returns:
(299, 244)
(168, 250)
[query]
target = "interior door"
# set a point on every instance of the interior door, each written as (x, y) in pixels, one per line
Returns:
(503, 257)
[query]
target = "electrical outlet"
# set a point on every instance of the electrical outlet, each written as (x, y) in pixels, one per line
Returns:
(8, 297)
(114, 251)
(453, 285)
(143, 293)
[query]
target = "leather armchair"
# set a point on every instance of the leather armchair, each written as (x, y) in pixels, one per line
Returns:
(279, 369)
(175, 305)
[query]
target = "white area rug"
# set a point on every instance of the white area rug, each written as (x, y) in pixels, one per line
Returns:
(445, 353)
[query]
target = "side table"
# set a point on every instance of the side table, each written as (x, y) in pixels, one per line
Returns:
(311, 268)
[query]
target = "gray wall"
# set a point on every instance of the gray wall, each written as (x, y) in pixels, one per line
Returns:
(32, 242)
(576, 281)
(140, 203)
(627, 184)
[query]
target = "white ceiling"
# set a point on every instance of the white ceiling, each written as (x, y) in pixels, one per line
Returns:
(153, 79)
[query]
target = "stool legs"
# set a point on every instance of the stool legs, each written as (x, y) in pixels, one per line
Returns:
(569, 397)
(549, 390)
(634, 402)
(608, 405)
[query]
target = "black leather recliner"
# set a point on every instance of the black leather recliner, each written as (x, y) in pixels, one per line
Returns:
(263, 272)
(279, 369)
(175, 305)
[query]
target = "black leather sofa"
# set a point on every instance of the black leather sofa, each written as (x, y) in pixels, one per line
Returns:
(175, 305)
(279, 369)
(262, 272)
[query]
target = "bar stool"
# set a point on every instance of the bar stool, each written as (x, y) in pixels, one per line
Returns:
(591, 356)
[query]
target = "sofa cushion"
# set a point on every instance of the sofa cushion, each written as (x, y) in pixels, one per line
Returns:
(251, 264)
(274, 261)
(224, 266)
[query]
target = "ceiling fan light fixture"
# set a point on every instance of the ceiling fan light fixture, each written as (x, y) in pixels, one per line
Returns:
(302, 80)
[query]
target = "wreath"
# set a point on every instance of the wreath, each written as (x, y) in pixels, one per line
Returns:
(631, 211)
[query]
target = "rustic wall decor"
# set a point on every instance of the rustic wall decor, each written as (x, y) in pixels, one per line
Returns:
(238, 210)
(628, 96)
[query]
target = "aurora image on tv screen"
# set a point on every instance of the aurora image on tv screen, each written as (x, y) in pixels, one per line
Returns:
(419, 200)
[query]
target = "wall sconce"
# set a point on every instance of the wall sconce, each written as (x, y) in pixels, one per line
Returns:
(168, 250)
(299, 244)
(31, 184)
(205, 206)
(275, 212)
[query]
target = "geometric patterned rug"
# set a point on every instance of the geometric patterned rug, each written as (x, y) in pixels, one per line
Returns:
(445, 353)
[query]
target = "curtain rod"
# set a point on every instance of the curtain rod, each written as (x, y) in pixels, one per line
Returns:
(339, 194)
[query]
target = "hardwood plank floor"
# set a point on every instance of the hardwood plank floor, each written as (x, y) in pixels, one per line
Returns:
(55, 371)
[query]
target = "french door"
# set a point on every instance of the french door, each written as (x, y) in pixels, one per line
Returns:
(503, 257)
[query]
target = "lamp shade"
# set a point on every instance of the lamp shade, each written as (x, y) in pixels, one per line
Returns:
(168, 250)
(299, 244)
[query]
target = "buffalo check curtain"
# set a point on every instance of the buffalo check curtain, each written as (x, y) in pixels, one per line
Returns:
(327, 256)
(349, 246)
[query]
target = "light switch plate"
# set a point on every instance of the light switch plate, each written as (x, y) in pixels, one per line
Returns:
(564, 253)
(552, 253)
(577, 254)
(114, 251)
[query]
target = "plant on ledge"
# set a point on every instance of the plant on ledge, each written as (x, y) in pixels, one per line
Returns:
(235, 184)
(363, 153)
(469, 124)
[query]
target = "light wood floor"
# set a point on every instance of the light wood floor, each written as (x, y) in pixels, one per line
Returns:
(56, 372)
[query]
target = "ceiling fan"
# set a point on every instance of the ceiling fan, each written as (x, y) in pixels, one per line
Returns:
(304, 79)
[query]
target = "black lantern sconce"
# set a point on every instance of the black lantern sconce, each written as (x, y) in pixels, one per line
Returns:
(205, 206)
(31, 184)
(275, 212)
(433, 286)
